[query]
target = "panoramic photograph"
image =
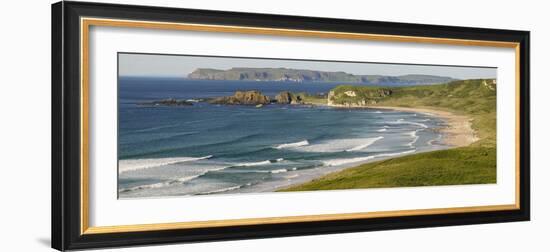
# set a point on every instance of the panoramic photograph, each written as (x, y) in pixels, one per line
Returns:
(206, 125)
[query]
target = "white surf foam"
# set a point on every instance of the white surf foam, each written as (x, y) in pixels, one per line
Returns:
(395, 154)
(254, 163)
(172, 182)
(292, 145)
(365, 145)
(265, 162)
(231, 188)
(139, 164)
(279, 171)
(382, 130)
(402, 121)
(162, 184)
(419, 124)
(267, 171)
(414, 136)
(343, 161)
(338, 145)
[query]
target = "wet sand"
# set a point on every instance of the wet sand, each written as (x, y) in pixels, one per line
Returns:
(458, 131)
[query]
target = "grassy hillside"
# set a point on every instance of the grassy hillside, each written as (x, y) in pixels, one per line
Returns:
(474, 164)
(474, 98)
(312, 99)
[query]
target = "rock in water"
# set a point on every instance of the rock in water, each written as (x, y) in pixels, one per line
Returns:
(167, 102)
(252, 97)
(286, 97)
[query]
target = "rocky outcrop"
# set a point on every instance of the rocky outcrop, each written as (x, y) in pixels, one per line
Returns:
(252, 97)
(349, 96)
(286, 97)
(490, 84)
(167, 102)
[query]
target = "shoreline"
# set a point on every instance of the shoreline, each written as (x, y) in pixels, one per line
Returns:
(457, 133)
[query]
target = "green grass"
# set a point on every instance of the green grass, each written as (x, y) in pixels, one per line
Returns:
(473, 164)
(466, 165)
(312, 99)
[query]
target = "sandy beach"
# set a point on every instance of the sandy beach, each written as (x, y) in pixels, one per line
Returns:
(457, 133)
(459, 130)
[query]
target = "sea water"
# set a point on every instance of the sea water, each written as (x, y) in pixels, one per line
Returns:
(211, 149)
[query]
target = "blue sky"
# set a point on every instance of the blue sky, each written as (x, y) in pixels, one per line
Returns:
(181, 66)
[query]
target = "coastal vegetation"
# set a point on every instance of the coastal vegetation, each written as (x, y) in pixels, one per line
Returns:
(472, 164)
(473, 98)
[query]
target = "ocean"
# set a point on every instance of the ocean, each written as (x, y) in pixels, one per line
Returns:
(212, 149)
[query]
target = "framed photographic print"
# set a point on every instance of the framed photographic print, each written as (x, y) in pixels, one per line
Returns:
(179, 125)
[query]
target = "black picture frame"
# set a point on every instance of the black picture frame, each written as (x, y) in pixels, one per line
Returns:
(66, 114)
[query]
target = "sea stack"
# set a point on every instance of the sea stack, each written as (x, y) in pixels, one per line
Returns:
(252, 97)
(287, 97)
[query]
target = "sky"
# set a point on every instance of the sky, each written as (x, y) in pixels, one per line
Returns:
(180, 66)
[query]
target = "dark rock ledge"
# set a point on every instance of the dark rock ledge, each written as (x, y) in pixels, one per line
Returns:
(167, 102)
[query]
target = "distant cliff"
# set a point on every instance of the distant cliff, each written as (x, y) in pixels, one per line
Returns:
(297, 75)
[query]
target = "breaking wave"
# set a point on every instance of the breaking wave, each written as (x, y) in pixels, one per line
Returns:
(265, 162)
(126, 165)
(176, 181)
(343, 161)
(402, 121)
(162, 184)
(279, 171)
(292, 145)
(338, 145)
(367, 144)
(414, 136)
(225, 189)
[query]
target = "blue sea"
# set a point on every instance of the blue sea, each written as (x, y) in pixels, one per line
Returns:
(213, 149)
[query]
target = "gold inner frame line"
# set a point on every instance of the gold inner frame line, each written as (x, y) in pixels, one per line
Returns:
(86, 23)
